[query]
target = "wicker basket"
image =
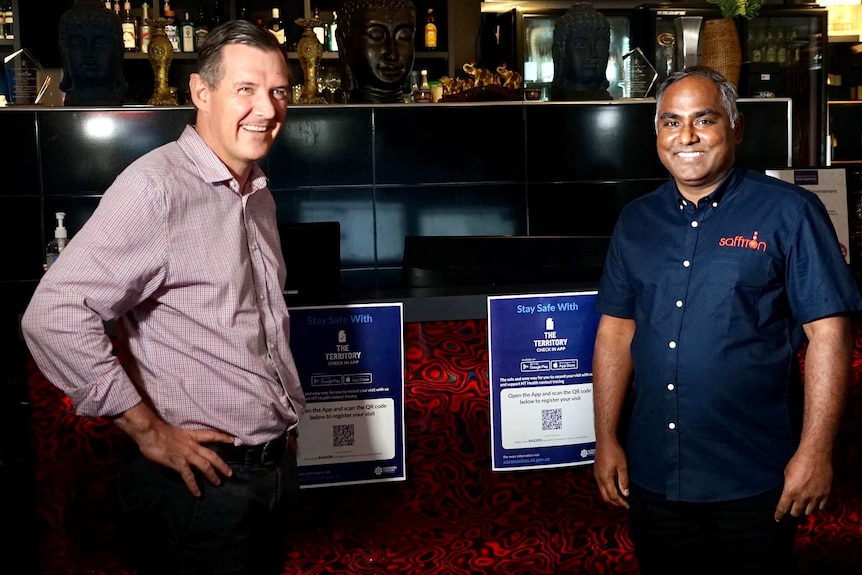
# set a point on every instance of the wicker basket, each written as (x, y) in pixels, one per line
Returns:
(720, 48)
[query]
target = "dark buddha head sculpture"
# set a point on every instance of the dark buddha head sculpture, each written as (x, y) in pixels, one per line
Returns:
(581, 49)
(91, 47)
(375, 45)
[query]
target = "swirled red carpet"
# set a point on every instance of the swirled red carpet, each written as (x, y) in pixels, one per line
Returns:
(452, 516)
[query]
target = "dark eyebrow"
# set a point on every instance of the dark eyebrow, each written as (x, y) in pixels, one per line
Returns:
(698, 114)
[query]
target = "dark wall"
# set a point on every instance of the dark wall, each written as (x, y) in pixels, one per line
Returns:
(382, 172)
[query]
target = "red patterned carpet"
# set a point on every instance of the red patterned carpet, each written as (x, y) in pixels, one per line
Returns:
(452, 516)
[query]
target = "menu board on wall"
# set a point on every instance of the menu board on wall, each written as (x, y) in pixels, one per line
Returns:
(540, 349)
(350, 361)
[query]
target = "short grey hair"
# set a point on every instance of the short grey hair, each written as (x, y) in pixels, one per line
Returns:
(725, 87)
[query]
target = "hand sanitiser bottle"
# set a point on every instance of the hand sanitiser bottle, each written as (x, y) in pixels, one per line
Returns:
(55, 246)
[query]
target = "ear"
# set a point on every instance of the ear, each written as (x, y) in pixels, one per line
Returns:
(200, 92)
(739, 128)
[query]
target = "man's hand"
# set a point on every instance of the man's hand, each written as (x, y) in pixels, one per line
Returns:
(178, 449)
(611, 472)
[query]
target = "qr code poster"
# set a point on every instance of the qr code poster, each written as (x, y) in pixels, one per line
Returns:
(540, 349)
(350, 361)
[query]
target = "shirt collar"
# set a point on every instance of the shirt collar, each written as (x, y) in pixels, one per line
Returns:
(211, 168)
(724, 190)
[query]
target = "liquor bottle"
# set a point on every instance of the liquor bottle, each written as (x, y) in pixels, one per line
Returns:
(215, 15)
(171, 29)
(187, 34)
(771, 47)
(202, 27)
(242, 10)
(144, 29)
(117, 7)
(318, 29)
(107, 4)
(129, 27)
(430, 31)
(9, 17)
(333, 26)
(422, 95)
(276, 26)
(55, 247)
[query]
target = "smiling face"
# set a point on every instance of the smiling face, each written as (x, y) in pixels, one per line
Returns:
(241, 115)
(695, 140)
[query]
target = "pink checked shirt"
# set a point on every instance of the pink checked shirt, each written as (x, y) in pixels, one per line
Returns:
(192, 268)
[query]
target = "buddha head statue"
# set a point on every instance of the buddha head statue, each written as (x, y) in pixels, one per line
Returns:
(581, 47)
(375, 45)
(91, 47)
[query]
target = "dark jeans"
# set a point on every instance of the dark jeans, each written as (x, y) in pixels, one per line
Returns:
(237, 528)
(724, 538)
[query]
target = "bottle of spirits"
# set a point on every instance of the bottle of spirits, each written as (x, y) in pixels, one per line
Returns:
(8, 24)
(144, 29)
(171, 29)
(129, 27)
(187, 34)
(242, 10)
(318, 29)
(422, 94)
(202, 27)
(107, 4)
(117, 7)
(215, 15)
(430, 31)
(333, 26)
(276, 26)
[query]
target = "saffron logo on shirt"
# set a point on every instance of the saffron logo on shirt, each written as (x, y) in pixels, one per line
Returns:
(751, 243)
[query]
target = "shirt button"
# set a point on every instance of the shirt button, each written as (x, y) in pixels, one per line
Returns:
(272, 346)
(670, 387)
(686, 264)
(254, 247)
(261, 297)
(671, 425)
(679, 303)
(714, 204)
(694, 224)
(672, 345)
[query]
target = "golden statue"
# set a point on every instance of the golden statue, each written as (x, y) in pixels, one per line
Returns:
(309, 50)
(161, 53)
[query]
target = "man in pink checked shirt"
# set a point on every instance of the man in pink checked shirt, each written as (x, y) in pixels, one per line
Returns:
(183, 252)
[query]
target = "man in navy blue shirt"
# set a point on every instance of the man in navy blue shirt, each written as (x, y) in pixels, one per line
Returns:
(712, 284)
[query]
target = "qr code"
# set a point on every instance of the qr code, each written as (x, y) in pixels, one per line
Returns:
(552, 419)
(343, 435)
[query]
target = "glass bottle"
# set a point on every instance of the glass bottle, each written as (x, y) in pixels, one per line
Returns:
(318, 28)
(430, 31)
(202, 27)
(187, 34)
(129, 27)
(422, 94)
(276, 26)
(144, 29)
(8, 22)
(171, 29)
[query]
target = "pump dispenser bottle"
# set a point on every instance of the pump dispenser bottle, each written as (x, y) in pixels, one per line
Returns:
(55, 246)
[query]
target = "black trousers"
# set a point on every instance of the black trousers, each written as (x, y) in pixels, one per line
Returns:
(236, 528)
(725, 538)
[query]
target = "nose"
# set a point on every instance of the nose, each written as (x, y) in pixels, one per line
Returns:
(265, 105)
(688, 134)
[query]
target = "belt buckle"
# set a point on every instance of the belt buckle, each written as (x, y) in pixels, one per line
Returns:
(266, 454)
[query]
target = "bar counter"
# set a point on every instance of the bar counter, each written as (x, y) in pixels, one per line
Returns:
(383, 172)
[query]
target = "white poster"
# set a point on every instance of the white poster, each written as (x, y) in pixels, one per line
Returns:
(831, 185)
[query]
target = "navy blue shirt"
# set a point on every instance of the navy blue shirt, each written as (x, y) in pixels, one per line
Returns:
(719, 292)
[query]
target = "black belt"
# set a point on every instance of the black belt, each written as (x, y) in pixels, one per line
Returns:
(269, 453)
